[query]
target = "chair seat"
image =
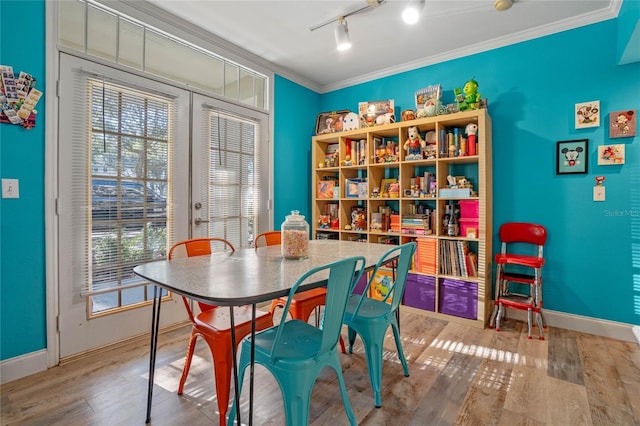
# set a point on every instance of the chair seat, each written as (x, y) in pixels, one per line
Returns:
(218, 319)
(370, 308)
(300, 340)
(519, 259)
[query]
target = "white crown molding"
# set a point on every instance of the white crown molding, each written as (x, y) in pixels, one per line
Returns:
(533, 33)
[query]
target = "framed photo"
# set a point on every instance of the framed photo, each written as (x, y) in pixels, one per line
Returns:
(384, 185)
(330, 122)
(609, 155)
(572, 156)
(374, 113)
(587, 114)
(622, 124)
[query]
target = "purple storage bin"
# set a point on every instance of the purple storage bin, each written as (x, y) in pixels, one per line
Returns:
(420, 292)
(361, 284)
(458, 298)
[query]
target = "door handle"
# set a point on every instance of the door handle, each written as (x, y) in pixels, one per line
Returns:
(198, 221)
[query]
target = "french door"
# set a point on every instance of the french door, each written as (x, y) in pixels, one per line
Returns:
(123, 166)
(129, 188)
(230, 161)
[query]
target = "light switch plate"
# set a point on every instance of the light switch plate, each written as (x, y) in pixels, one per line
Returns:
(10, 188)
(598, 193)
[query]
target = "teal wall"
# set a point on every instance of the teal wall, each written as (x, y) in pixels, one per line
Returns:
(293, 107)
(532, 88)
(22, 237)
(593, 248)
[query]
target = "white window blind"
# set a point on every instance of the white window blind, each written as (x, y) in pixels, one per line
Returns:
(121, 189)
(231, 180)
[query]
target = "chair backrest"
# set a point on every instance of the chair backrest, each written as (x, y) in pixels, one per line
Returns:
(271, 238)
(198, 247)
(400, 257)
(522, 232)
(343, 274)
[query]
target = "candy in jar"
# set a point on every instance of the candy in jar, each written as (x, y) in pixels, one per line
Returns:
(295, 236)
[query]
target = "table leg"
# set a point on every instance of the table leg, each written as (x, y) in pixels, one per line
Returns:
(235, 362)
(253, 355)
(155, 325)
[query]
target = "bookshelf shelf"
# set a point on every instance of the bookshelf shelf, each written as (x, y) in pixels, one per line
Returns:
(384, 199)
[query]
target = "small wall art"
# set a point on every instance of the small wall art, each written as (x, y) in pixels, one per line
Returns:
(330, 122)
(609, 155)
(587, 114)
(572, 156)
(622, 124)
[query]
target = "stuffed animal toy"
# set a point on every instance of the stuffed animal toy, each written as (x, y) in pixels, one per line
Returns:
(414, 144)
(386, 118)
(468, 97)
(351, 121)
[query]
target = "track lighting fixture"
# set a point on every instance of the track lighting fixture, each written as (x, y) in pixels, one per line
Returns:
(343, 42)
(412, 12)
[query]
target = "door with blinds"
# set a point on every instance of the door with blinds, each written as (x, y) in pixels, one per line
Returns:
(230, 191)
(123, 170)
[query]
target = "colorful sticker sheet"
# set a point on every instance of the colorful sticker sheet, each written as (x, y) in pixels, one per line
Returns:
(18, 97)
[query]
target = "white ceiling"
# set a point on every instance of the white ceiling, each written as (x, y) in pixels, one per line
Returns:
(279, 31)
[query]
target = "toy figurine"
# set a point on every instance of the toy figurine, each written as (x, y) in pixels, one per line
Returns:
(414, 144)
(468, 98)
(430, 140)
(471, 131)
(347, 161)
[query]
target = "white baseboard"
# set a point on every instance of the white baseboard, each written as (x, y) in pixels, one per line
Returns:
(21, 366)
(599, 327)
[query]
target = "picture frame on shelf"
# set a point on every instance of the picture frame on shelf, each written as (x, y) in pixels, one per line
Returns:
(572, 156)
(587, 114)
(375, 113)
(330, 122)
(384, 186)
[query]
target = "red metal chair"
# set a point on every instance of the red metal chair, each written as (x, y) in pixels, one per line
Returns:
(214, 326)
(514, 267)
(302, 303)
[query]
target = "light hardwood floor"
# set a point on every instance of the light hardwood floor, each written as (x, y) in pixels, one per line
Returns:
(459, 375)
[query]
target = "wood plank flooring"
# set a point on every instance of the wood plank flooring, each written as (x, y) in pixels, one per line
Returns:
(459, 376)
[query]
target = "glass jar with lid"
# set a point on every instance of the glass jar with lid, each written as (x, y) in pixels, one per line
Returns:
(295, 236)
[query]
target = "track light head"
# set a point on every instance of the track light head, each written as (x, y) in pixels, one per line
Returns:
(412, 12)
(501, 5)
(343, 41)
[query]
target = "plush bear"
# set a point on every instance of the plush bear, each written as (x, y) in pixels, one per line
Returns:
(414, 144)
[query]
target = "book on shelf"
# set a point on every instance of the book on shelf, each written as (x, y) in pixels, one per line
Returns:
(331, 155)
(376, 221)
(358, 218)
(326, 188)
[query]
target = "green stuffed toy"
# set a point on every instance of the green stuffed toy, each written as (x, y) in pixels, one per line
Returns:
(468, 98)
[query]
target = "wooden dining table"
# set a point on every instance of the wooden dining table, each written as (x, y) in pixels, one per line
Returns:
(242, 277)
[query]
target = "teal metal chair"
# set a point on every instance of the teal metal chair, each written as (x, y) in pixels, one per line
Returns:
(295, 352)
(371, 318)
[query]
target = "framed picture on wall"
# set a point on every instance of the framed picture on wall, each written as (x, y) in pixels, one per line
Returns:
(587, 114)
(622, 124)
(572, 156)
(609, 155)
